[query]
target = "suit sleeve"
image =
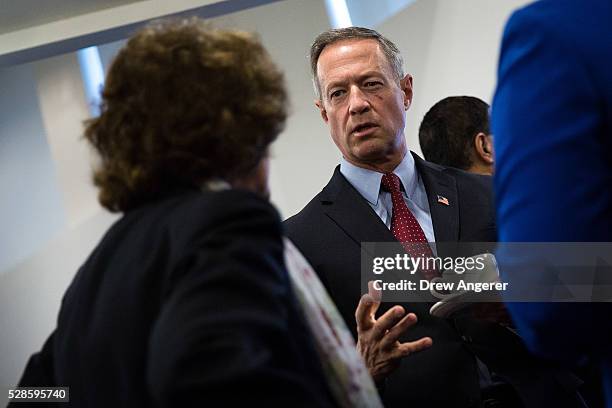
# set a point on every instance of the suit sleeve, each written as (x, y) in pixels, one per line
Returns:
(552, 177)
(223, 335)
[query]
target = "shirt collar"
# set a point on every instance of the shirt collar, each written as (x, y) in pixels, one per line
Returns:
(367, 182)
(407, 173)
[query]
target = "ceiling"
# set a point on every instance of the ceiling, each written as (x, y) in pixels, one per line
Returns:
(19, 14)
(36, 29)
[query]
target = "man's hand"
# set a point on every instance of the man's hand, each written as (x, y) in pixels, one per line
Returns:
(377, 339)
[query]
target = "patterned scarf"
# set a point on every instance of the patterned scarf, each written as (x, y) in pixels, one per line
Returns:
(346, 372)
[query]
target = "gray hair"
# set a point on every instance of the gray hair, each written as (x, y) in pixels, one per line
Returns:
(338, 34)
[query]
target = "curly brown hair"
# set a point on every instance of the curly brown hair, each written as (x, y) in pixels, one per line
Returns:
(184, 103)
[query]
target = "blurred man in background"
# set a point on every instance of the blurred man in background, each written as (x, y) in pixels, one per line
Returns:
(455, 132)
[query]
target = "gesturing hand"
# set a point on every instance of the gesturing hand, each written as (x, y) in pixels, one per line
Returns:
(377, 339)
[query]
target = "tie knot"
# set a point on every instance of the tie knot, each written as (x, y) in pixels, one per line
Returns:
(390, 182)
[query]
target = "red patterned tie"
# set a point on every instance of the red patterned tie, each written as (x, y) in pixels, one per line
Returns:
(405, 226)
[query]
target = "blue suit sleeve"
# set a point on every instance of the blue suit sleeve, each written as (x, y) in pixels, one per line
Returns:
(552, 180)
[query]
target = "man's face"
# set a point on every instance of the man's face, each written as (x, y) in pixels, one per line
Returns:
(363, 103)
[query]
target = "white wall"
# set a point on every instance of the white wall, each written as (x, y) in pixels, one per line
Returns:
(31, 292)
(50, 212)
(450, 47)
(31, 207)
(64, 108)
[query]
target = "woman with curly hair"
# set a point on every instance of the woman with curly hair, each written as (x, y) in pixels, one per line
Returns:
(186, 300)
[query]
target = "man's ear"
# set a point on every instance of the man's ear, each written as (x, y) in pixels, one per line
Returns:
(319, 105)
(406, 87)
(483, 145)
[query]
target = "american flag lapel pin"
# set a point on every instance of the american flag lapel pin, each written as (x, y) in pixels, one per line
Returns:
(443, 200)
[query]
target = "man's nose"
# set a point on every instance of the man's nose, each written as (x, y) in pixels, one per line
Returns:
(358, 101)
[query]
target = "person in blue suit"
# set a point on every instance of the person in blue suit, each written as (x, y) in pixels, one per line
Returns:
(552, 119)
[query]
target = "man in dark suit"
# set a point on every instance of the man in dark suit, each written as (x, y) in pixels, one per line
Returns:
(363, 95)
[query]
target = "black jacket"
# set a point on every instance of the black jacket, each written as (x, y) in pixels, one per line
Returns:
(330, 230)
(185, 302)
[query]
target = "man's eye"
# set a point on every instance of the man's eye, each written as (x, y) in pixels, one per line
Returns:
(370, 84)
(336, 93)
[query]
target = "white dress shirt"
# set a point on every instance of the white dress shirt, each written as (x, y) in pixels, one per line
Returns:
(367, 183)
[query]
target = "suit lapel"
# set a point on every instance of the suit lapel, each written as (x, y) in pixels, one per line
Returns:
(350, 211)
(440, 188)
